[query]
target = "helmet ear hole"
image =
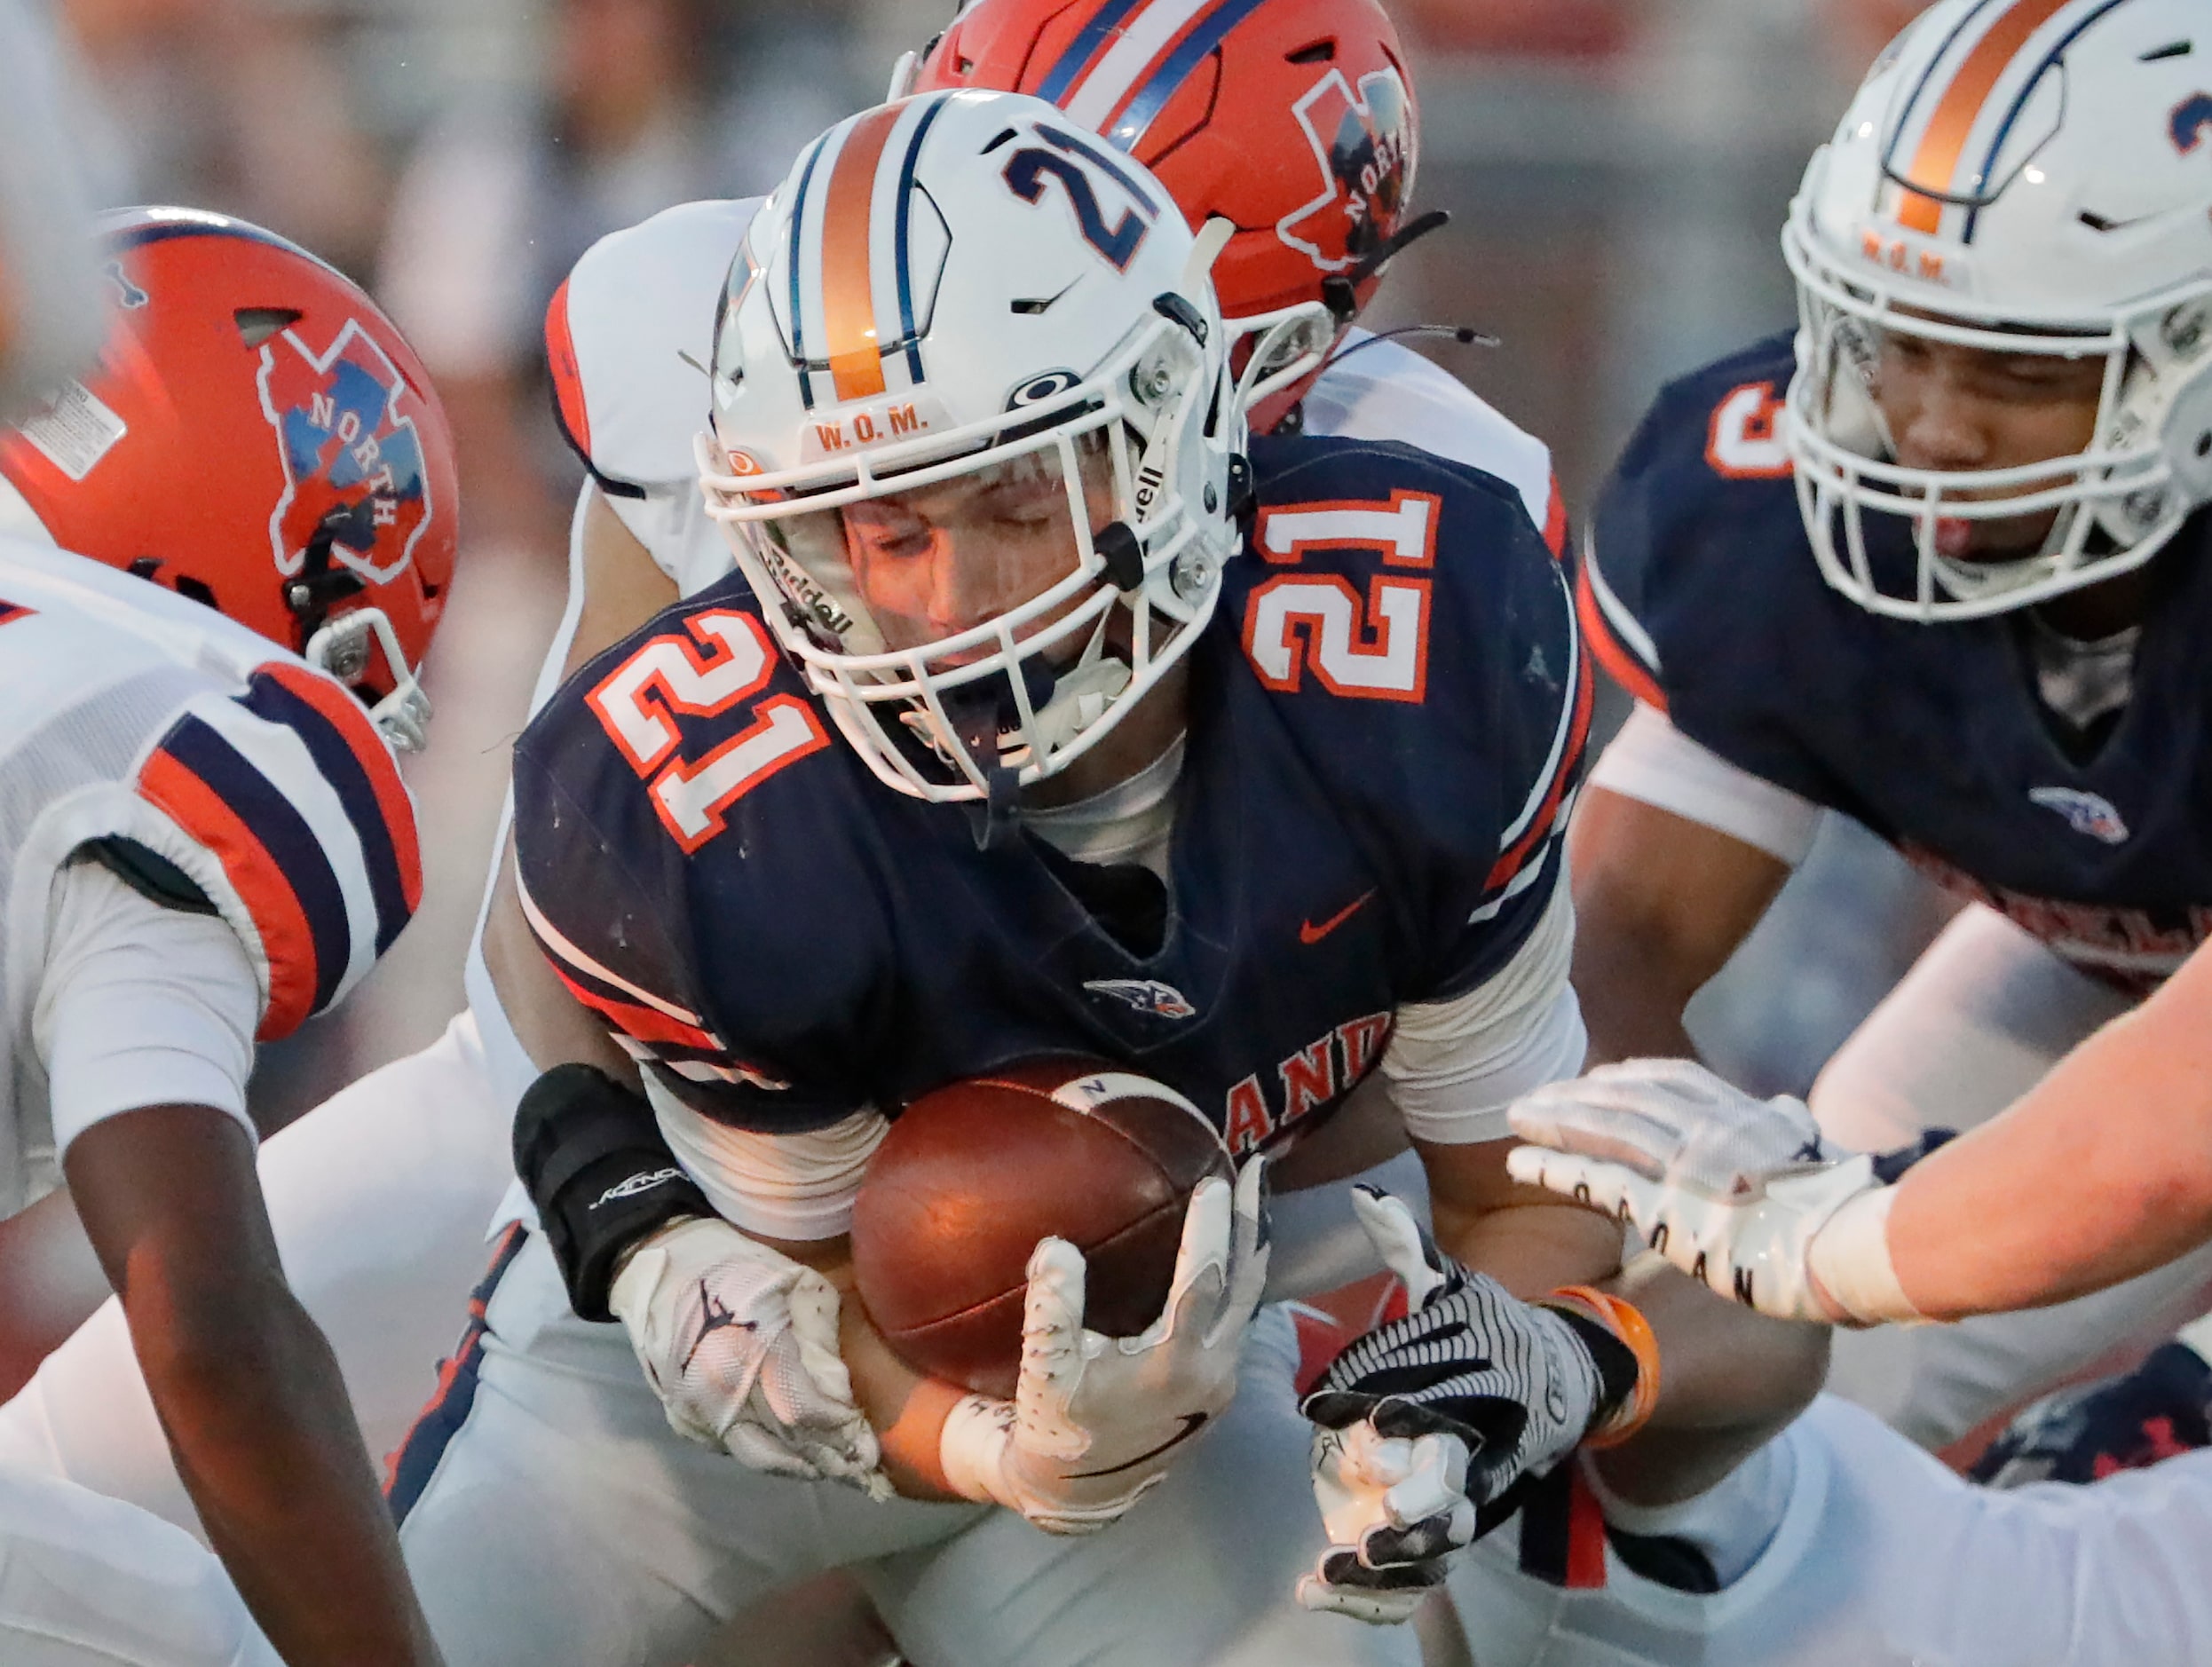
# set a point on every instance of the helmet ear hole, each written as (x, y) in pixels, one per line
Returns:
(257, 325)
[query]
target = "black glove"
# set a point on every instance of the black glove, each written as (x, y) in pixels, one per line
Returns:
(1432, 1425)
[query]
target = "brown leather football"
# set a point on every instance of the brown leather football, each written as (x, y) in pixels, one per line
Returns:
(973, 1174)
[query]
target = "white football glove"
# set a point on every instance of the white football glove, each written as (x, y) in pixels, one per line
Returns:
(1096, 1421)
(1736, 1192)
(1425, 1420)
(740, 1344)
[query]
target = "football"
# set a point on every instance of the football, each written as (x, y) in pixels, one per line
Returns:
(973, 1174)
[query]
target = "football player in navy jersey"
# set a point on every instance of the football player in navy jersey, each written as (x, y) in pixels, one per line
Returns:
(1035, 720)
(1940, 567)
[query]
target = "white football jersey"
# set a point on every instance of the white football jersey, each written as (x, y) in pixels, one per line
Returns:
(128, 712)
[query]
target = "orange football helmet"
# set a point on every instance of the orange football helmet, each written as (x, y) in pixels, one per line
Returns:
(259, 435)
(1294, 120)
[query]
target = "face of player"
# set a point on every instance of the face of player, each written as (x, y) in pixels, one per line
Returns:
(1949, 408)
(944, 558)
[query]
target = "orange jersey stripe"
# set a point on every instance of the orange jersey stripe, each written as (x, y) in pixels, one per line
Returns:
(1539, 828)
(856, 360)
(1622, 666)
(287, 943)
(1585, 1535)
(646, 1024)
(1935, 163)
(351, 720)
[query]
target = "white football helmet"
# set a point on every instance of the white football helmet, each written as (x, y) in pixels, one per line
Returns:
(2030, 176)
(960, 312)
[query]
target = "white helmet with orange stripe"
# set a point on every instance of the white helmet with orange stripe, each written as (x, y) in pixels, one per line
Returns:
(2029, 179)
(972, 436)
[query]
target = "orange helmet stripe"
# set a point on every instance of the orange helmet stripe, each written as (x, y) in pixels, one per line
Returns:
(1935, 163)
(856, 361)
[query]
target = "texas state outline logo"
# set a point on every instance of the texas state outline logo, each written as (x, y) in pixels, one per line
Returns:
(1364, 144)
(352, 459)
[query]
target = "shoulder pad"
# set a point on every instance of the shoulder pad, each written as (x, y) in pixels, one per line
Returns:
(643, 795)
(617, 333)
(284, 807)
(1708, 449)
(1377, 390)
(1424, 634)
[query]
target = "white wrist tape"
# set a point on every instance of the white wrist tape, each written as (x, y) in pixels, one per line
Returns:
(1850, 1257)
(972, 1449)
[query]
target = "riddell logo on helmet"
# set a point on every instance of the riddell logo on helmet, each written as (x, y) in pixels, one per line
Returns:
(352, 461)
(1363, 143)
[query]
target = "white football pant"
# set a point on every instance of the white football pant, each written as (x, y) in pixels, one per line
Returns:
(552, 1517)
(380, 1197)
(1884, 1558)
(88, 1582)
(1982, 1015)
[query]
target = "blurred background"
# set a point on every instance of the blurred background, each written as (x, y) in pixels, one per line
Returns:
(1617, 172)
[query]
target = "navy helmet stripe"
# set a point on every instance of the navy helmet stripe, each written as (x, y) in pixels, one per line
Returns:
(2019, 103)
(131, 228)
(1927, 75)
(1153, 97)
(1084, 48)
(795, 241)
(284, 834)
(340, 767)
(907, 334)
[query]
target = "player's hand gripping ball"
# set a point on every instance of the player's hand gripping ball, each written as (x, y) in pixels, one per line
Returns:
(973, 1176)
(1013, 1239)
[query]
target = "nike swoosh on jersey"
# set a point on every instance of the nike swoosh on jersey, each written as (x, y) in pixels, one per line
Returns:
(1309, 933)
(1193, 1422)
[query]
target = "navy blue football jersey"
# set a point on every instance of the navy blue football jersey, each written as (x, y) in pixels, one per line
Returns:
(1386, 715)
(1698, 590)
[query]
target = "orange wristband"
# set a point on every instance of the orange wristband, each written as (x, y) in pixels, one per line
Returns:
(1626, 1322)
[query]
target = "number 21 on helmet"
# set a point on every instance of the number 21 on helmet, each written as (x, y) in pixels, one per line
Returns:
(1294, 120)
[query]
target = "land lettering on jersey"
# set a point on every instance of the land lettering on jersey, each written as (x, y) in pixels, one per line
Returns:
(1315, 1076)
(2132, 948)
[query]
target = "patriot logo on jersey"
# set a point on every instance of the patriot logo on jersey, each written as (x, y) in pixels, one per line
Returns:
(352, 460)
(1146, 995)
(1363, 143)
(2089, 813)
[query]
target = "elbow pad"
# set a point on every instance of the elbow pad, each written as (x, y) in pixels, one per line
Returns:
(592, 1157)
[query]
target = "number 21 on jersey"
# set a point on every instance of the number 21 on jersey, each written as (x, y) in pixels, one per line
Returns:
(1373, 647)
(729, 661)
